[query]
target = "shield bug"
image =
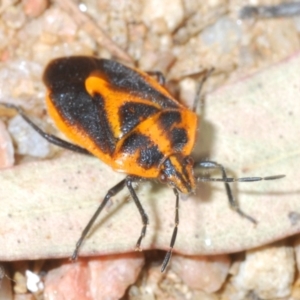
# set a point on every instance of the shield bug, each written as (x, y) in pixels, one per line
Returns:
(131, 122)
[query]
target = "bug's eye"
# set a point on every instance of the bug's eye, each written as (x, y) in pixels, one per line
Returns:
(163, 177)
(189, 161)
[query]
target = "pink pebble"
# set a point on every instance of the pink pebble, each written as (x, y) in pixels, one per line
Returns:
(206, 273)
(105, 277)
(68, 279)
(34, 8)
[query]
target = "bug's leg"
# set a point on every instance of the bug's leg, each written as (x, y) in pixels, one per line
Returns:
(49, 137)
(198, 93)
(159, 76)
(112, 192)
(173, 239)
(129, 181)
(232, 202)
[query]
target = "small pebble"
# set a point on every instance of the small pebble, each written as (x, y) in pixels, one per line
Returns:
(159, 14)
(267, 271)
(34, 8)
(105, 277)
(225, 33)
(34, 283)
(28, 141)
(13, 17)
(207, 273)
(20, 283)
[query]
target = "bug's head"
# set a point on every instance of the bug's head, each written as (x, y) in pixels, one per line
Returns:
(177, 171)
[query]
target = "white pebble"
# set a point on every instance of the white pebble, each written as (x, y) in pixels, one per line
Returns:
(28, 141)
(225, 33)
(169, 11)
(34, 283)
(267, 271)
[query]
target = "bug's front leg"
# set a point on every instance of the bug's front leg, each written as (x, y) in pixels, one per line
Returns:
(232, 201)
(175, 230)
(129, 181)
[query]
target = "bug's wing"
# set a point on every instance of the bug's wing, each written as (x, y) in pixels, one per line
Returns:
(95, 102)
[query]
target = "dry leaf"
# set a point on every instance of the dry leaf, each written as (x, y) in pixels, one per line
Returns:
(252, 127)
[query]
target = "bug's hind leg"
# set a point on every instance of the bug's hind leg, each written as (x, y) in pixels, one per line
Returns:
(129, 181)
(49, 137)
(112, 192)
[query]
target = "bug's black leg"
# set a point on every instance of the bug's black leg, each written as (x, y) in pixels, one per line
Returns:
(232, 202)
(49, 137)
(112, 192)
(173, 239)
(198, 93)
(159, 76)
(129, 181)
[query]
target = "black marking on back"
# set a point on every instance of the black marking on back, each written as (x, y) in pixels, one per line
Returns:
(134, 142)
(64, 74)
(178, 138)
(131, 114)
(149, 154)
(150, 157)
(79, 109)
(129, 81)
(168, 118)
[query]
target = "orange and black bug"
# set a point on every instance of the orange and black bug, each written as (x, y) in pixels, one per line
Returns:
(130, 121)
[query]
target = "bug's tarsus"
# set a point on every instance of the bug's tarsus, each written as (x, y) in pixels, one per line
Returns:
(112, 192)
(159, 76)
(145, 220)
(234, 206)
(174, 235)
(49, 137)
